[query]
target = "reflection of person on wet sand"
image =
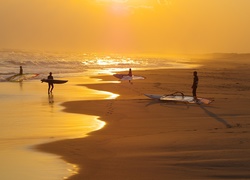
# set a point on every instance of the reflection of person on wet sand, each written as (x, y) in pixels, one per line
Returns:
(50, 84)
(51, 99)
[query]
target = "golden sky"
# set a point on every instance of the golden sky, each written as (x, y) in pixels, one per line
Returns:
(129, 26)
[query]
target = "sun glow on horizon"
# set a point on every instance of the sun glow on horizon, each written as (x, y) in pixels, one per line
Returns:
(135, 4)
(127, 26)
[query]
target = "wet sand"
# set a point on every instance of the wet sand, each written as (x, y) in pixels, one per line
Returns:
(147, 139)
(29, 116)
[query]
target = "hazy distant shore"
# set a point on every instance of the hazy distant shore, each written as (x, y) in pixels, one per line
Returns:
(144, 139)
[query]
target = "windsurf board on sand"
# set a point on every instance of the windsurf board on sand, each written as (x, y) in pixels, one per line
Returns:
(54, 81)
(21, 77)
(179, 97)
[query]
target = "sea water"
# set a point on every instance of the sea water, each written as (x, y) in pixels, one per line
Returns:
(75, 64)
(29, 116)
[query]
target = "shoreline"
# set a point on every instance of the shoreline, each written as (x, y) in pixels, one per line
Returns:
(144, 139)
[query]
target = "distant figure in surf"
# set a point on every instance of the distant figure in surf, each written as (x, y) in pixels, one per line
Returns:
(50, 84)
(195, 84)
(130, 74)
(21, 70)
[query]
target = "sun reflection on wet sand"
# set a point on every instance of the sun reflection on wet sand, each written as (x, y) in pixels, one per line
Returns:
(111, 95)
(34, 118)
(72, 170)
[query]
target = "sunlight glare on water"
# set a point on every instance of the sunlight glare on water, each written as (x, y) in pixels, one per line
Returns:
(30, 117)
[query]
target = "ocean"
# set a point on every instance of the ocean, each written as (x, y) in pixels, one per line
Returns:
(75, 64)
(30, 117)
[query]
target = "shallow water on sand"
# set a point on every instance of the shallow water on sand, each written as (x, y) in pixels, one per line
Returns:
(29, 116)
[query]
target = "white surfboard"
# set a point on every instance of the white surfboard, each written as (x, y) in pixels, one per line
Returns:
(124, 77)
(128, 77)
(154, 96)
(179, 97)
(21, 77)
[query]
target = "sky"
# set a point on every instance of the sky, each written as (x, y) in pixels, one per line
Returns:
(127, 26)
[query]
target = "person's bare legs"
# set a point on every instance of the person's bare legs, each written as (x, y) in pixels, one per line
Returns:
(52, 87)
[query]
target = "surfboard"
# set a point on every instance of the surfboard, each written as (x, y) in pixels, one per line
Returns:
(179, 97)
(54, 81)
(153, 96)
(21, 77)
(127, 77)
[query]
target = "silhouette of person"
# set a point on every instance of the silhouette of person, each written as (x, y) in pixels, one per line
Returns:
(50, 84)
(195, 84)
(130, 74)
(21, 70)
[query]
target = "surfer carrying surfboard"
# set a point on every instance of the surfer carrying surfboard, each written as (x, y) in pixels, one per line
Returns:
(195, 84)
(50, 84)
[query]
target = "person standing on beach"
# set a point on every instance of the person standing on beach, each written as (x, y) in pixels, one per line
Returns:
(50, 84)
(195, 84)
(130, 74)
(21, 70)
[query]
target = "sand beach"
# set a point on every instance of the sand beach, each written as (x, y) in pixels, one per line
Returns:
(146, 139)
(29, 116)
(96, 127)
